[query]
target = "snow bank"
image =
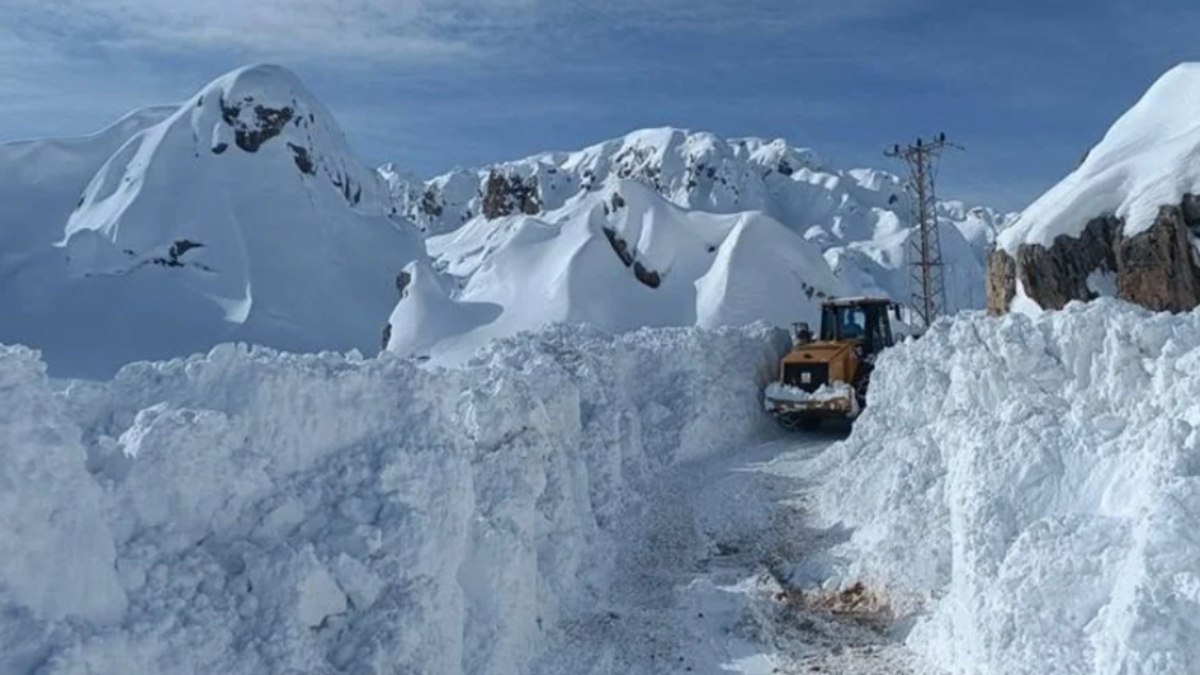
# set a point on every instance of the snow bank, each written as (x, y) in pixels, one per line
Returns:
(1030, 487)
(1149, 158)
(247, 511)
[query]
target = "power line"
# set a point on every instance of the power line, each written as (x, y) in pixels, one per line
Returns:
(927, 280)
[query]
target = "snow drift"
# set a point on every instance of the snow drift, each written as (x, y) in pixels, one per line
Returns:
(702, 230)
(1064, 538)
(238, 215)
(247, 511)
(619, 260)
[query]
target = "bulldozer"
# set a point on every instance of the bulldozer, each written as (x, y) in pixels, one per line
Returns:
(827, 376)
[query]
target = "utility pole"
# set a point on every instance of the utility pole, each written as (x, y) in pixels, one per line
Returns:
(927, 282)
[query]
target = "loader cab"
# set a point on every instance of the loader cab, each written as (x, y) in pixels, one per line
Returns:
(865, 320)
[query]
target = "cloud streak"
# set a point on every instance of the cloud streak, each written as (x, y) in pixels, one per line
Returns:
(404, 30)
(398, 32)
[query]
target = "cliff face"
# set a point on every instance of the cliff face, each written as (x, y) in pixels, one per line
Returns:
(1157, 268)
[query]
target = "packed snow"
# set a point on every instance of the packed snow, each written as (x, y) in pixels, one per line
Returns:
(238, 215)
(777, 391)
(1150, 158)
(249, 511)
(1025, 490)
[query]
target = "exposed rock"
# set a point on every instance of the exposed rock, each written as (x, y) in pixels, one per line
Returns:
(646, 276)
(265, 125)
(303, 160)
(1057, 275)
(1001, 281)
(505, 195)
(619, 246)
(431, 204)
(1156, 268)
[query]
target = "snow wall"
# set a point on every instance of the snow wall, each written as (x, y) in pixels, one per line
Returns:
(1030, 490)
(248, 511)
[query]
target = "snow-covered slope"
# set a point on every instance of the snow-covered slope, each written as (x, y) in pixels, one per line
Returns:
(254, 512)
(1124, 223)
(1062, 540)
(735, 229)
(1150, 158)
(621, 259)
(239, 215)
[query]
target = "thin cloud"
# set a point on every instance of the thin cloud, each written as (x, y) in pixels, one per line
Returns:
(400, 32)
(296, 30)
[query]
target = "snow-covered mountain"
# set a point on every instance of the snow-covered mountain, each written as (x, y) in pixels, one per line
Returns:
(242, 215)
(239, 215)
(1125, 222)
(620, 259)
(661, 227)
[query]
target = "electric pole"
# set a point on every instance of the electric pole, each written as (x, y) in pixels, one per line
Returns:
(927, 282)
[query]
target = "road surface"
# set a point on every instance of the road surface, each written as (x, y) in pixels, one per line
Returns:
(699, 586)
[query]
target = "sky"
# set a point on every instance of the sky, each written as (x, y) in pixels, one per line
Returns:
(1026, 87)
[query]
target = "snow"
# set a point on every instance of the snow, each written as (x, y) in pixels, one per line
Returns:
(250, 511)
(731, 224)
(56, 550)
(1102, 282)
(1025, 489)
(1147, 160)
(239, 214)
(675, 199)
(697, 587)
(522, 272)
(827, 392)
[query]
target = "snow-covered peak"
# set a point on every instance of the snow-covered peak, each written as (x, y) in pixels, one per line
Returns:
(239, 215)
(258, 119)
(858, 218)
(696, 170)
(1149, 158)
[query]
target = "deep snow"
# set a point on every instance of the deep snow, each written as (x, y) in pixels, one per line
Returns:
(248, 511)
(1018, 497)
(239, 214)
(1026, 489)
(521, 272)
(662, 227)
(1148, 159)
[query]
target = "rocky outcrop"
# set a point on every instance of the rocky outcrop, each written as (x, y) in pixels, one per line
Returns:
(264, 124)
(1001, 281)
(504, 195)
(1156, 269)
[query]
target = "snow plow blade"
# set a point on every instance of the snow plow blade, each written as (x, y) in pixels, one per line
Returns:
(795, 408)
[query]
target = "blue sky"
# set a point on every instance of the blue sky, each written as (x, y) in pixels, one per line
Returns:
(1026, 86)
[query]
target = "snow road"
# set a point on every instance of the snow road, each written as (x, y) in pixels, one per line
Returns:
(698, 583)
